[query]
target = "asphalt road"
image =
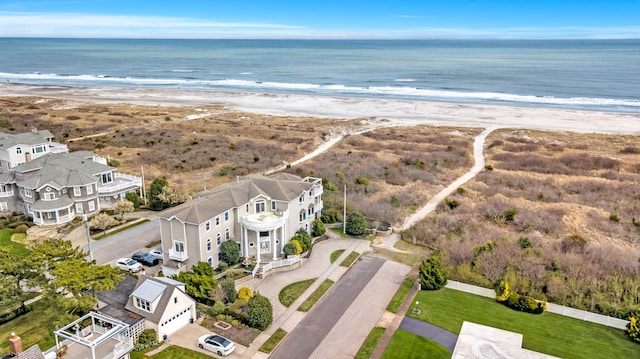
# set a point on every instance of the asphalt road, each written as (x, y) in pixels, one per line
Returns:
(315, 326)
(125, 243)
(428, 330)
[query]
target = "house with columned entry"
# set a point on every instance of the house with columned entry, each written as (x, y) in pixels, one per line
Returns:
(259, 213)
(54, 186)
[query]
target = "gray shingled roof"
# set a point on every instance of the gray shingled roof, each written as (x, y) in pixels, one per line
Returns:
(116, 300)
(162, 302)
(62, 202)
(234, 194)
(8, 140)
(33, 352)
(60, 170)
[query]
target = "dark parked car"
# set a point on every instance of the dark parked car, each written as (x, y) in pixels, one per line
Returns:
(145, 258)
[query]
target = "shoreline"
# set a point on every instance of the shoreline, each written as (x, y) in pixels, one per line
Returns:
(396, 111)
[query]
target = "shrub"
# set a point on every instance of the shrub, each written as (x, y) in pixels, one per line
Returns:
(633, 330)
(22, 228)
(432, 275)
(356, 224)
(614, 217)
(259, 312)
(318, 228)
(229, 290)
(147, 339)
(220, 316)
(245, 294)
(452, 203)
(524, 242)
(234, 273)
(217, 308)
(302, 237)
(519, 302)
(291, 248)
(364, 181)
(133, 198)
(329, 216)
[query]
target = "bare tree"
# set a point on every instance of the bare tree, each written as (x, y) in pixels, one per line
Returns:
(122, 207)
(101, 221)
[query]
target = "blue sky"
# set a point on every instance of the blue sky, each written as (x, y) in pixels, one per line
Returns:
(326, 19)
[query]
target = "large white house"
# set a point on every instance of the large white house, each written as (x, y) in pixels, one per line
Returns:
(260, 213)
(43, 180)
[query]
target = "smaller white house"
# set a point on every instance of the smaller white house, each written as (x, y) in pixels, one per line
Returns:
(163, 303)
(157, 303)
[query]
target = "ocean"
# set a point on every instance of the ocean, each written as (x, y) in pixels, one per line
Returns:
(581, 74)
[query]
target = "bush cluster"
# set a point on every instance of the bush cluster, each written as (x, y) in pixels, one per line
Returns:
(330, 216)
(147, 339)
(9, 316)
(513, 300)
(633, 330)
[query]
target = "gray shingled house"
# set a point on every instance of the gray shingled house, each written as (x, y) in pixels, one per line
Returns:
(54, 188)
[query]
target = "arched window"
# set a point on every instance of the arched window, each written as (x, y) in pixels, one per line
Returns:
(18, 150)
(303, 215)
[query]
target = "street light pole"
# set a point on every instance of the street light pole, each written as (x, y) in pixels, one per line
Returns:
(86, 226)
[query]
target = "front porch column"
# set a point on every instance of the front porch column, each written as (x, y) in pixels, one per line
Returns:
(245, 238)
(275, 250)
(57, 216)
(258, 246)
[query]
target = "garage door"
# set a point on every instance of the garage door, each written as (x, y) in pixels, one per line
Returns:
(173, 324)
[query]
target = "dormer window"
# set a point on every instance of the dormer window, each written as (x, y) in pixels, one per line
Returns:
(28, 193)
(107, 178)
(77, 191)
(143, 304)
(48, 196)
(260, 205)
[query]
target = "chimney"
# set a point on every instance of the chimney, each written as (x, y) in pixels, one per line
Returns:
(34, 129)
(15, 344)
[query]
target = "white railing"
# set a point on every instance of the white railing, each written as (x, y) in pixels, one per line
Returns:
(178, 256)
(123, 347)
(255, 270)
(281, 263)
(58, 148)
(126, 176)
(551, 308)
(128, 182)
(6, 193)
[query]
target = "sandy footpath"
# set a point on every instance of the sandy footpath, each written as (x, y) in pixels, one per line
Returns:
(409, 112)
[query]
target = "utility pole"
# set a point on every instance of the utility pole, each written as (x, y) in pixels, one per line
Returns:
(344, 211)
(86, 226)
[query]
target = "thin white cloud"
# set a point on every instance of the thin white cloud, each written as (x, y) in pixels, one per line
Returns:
(22, 24)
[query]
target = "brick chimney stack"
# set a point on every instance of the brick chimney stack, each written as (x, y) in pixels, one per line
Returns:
(15, 344)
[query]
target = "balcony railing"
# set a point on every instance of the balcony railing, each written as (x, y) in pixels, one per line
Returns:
(58, 148)
(264, 221)
(121, 182)
(6, 193)
(178, 256)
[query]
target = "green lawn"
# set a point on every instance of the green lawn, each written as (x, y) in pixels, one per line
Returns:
(271, 343)
(407, 345)
(336, 254)
(316, 295)
(347, 262)
(402, 292)
(120, 229)
(35, 327)
(547, 333)
(293, 291)
(370, 343)
(175, 352)
(17, 249)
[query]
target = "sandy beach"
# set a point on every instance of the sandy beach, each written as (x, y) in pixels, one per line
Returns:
(405, 112)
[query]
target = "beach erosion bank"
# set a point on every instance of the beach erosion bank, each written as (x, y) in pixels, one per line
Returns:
(394, 111)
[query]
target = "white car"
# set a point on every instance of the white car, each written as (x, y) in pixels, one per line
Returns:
(156, 252)
(217, 344)
(129, 265)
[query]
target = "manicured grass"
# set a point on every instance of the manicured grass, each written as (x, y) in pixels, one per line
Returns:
(336, 254)
(271, 343)
(293, 291)
(547, 333)
(315, 296)
(339, 232)
(15, 248)
(35, 327)
(370, 343)
(153, 244)
(347, 262)
(407, 345)
(118, 230)
(173, 352)
(402, 292)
